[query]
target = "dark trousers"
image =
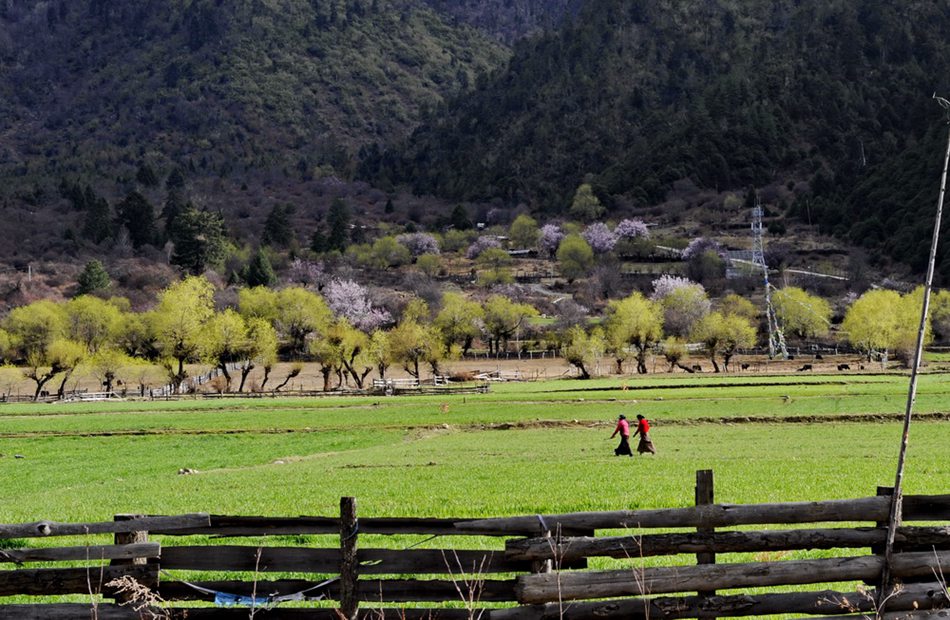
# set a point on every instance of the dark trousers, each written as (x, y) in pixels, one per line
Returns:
(624, 447)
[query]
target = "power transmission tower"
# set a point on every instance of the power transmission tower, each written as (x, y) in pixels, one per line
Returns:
(776, 337)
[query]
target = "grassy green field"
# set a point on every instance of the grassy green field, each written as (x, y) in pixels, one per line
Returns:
(524, 448)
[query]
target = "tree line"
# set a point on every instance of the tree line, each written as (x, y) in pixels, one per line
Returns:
(349, 338)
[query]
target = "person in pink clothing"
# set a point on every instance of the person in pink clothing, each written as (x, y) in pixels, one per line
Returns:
(623, 427)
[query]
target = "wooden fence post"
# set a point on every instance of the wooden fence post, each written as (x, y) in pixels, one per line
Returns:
(879, 549)
(705, 496)
(128, 538)
(544, 566)
(349, 565)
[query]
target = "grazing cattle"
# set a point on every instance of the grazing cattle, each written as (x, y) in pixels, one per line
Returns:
(818, 356)
(843, 367)
(805, 367)
(697, 367)
(745, 366)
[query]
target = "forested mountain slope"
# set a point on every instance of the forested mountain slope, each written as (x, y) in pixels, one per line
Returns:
(92, 88)
(829, 98)
(509, 20)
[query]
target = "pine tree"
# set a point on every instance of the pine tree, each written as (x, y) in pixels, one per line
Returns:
(258, 271)
(318, 241)
(98, 224)
(339, 221)
(459, 218)
(94, 277)
(278, 230)
(138, 217)
(146, 176)
(200, 239)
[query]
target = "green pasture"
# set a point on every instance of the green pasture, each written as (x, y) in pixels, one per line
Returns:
(524, 448)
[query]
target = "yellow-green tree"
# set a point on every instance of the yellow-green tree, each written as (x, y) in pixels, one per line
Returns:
(459, 321)
(93, 321)
(300, 314)
(586, 206)
(414, 341)
(295, 312)
(225, 342)
(940, 314)
(6, 345)
(583, 349)
(32, 331)
(908, 320)
(723, 334)
(504, 319)
(523, 232)
(800, 313)
(738, 305)
(178, 323)
(258, 302)
(575, 257)
(872, 323)
(262, 350)
(494, 267)
(350, 348)
(64, 356)
(379, 352)
(632, 322)
(674, 350)
(109, 363)
(133, 334)
(32, 328)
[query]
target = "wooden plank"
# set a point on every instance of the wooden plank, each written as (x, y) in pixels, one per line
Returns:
(914, 596)
(91, 552)
(223, 525)
(349, 566)
(57, 581)
(705, 497)
(72, 611)
(308, 560)
(919, 507)
(68, 611)
(534, 589)
(722, 542)
(373, 591)
(926, 508)
(716, 515)
(125, 595)
(41, 529)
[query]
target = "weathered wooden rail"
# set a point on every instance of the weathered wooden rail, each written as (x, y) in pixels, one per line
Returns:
(536, 568)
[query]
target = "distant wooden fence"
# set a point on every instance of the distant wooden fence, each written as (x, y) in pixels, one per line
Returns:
(541, 573)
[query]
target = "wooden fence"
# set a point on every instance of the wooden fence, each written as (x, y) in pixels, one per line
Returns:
(537, 568)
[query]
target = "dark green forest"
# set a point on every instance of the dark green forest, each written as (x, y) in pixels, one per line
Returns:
(832, 98)
(507, 103)
(94, 87)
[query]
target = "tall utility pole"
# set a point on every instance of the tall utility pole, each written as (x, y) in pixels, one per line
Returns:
(776, 337)
(897, 498)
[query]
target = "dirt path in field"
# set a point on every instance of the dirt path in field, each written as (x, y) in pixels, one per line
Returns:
(427, 429)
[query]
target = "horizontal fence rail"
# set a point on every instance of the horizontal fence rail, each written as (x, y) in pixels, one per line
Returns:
(532, 567)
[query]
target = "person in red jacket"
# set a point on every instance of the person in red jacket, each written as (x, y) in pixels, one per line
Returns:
(623, 427)
(643, 429)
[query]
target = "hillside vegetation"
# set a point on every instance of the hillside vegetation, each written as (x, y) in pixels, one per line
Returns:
(830, 100)
(93, 88)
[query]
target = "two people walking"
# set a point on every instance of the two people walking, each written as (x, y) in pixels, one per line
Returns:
(643, 430)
